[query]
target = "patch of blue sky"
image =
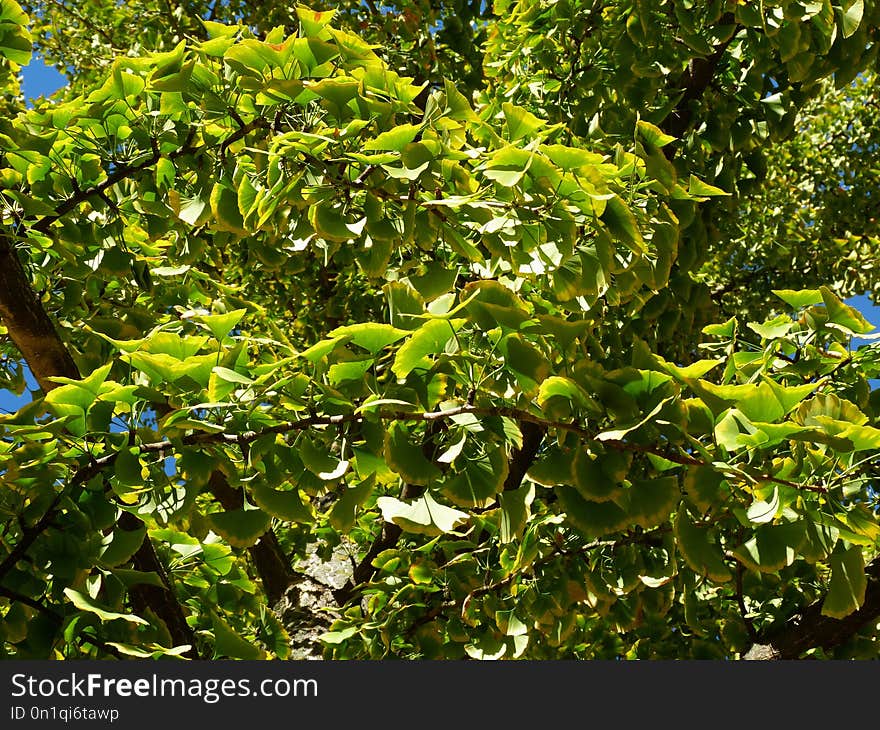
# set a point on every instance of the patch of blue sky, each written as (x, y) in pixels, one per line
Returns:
(869, 310)
(40, 79)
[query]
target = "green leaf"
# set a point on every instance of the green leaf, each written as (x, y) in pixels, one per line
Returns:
(230, 376)
(571, 158)
(508, 165)
(337, 637)
(525, 360)
(285, 505)
(700, 189)
(653, 135)
(436, 280)
(224, 206)
(651, 501)
(221, 325)
(560, 387)
(799, 299)
(123, 546)
(774, 328)
(553, 467)
(619, 433)
(421, 574)
(479, 481)
(313, 21)
(15, 40)
(772, 547)
(152, 651)
(703, 556)
(240, 528)
(330, 224)
(85, 603)
(519, 122)
(622, 224)
(125, 83)
(394, 139)
(128, 467)
(593, 519)
(165, 172)
(696, 369)
(761, 512)
(429, 339)
(591, 480)
(405, 305)
(229, 644)
(767, 402)
(819, 539)
(862, 438)
(138, 577)
(423, 515)
(352, 370)
(846, 591)
(372, 336)
(342, 516)
(844, 315)
(407, 458)
(853, 10)
(514, 513)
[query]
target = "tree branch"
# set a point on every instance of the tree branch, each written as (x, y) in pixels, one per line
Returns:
(161, 601)
(269, 560)
(118, 175)
(57, 618)
(694, 82)
(29, 327)
(35, 336)
(810, 629)
(520, 416)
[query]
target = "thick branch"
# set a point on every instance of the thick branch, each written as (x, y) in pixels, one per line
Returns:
(161, 601)
(810, 629)
(35, 336)
(268, 557)
(694, 82)
(28, 325)
(522, 459)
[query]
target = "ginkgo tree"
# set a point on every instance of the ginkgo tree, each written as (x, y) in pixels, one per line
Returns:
(388, 331)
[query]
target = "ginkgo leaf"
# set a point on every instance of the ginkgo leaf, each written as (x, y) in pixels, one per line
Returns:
(241, 528)
(123, 546)
(772, 547)
(429, 339)
(702, 555)
(423, 515)
(283, 504)
(846, 592)
(85, 603)
(372, 336)
(407, 458)
(227, 641)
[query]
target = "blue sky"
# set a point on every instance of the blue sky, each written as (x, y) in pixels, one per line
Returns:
(43, 80)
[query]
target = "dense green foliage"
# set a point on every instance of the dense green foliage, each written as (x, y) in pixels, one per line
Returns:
(533, 311)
